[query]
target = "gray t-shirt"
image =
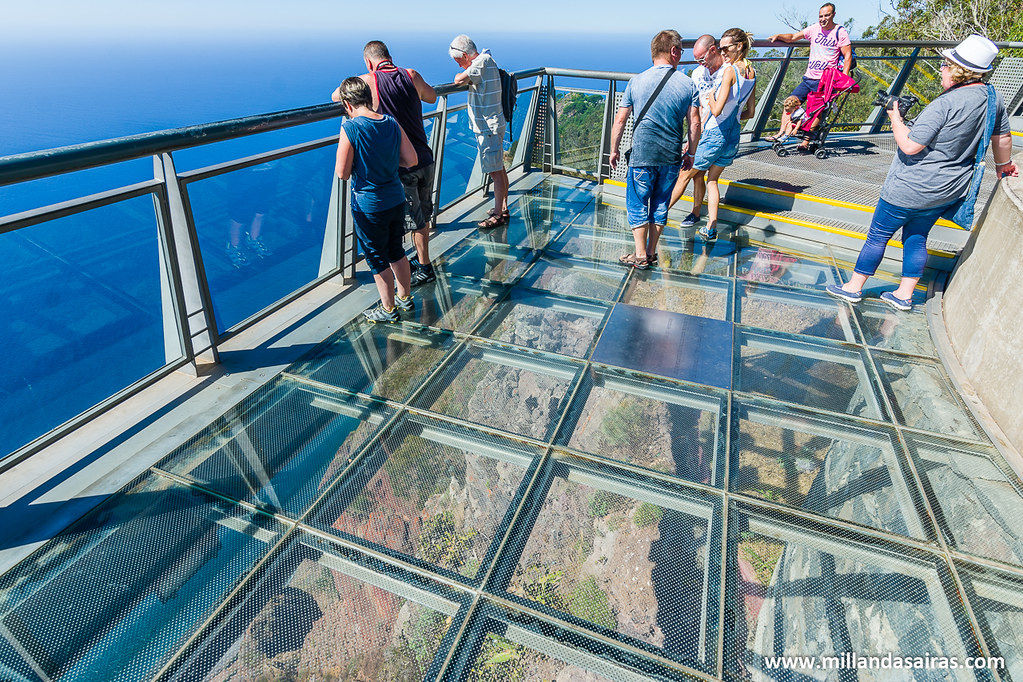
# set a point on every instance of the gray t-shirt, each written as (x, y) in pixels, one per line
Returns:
(951, 127)
(658, 140)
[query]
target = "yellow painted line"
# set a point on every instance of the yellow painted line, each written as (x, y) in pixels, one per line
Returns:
(808, 197)
(616, 183)
(802, 223)
(1014, 132)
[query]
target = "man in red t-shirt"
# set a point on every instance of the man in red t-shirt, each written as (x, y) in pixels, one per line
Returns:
(829, 45)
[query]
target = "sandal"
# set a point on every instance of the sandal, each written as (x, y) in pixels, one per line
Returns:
(631, 260)
(494, 220)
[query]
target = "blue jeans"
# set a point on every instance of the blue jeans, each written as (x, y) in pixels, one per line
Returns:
(647, 193)
(915, 224)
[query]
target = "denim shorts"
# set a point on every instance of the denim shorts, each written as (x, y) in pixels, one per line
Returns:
(715, 150)
(805, 87)
(647, 193)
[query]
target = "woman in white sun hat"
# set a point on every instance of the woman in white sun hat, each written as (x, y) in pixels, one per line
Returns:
(936, 171)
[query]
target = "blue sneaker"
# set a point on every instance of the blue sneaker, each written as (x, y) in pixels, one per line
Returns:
(893, 301)
(708, 233)
(838, 292)
(690, 220)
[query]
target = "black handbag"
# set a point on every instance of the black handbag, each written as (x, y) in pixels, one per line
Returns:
(646, 108)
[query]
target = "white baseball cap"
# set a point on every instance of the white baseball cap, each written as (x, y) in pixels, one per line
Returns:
(975, 53)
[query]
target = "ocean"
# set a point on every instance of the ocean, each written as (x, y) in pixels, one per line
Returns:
(82, 304)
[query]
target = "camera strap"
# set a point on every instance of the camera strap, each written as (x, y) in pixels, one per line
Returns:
(646, 108)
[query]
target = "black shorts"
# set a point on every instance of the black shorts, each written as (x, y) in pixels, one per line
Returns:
(380, 234)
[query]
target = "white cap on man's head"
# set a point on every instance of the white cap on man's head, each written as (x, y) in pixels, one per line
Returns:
(975, 53)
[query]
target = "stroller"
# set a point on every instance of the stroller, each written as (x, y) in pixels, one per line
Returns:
(822, 110)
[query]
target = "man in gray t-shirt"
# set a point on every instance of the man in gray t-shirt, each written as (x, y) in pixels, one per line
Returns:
(656, 143)
(948, 130)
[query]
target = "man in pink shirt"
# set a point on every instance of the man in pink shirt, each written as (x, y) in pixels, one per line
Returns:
(829, 44)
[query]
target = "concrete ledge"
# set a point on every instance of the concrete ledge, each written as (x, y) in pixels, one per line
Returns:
(983, 315)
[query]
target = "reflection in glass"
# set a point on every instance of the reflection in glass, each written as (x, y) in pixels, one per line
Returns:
(795, 312)
(800, 592)
(924, 398)
(977, 503)
(385, 360)
(678, 293)
(823, 465)
(894, 329)
(114, 596)
(453, 303)
(82, 315)
(491, 259)
(261, 230)
(280, 447)
(431, 491)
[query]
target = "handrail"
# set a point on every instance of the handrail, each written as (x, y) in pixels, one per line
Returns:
(49, 162)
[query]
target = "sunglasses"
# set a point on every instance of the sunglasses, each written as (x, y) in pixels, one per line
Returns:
(729, 46)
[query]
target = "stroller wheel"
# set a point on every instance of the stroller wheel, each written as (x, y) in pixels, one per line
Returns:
(821, 153)
(781, 151)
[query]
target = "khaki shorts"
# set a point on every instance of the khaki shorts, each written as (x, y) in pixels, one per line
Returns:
(491, 150)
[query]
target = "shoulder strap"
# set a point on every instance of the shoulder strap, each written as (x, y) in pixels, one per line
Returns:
(989, 124)
(657, 91)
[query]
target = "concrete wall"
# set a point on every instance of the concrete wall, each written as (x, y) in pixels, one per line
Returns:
(983, 309)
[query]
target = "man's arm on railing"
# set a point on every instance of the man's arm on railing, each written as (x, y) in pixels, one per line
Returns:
(425, 90)
(462, 78)
(788, 37)
(616, 133)
(1001, 147)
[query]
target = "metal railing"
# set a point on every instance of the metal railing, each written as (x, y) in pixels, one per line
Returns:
(547, 112)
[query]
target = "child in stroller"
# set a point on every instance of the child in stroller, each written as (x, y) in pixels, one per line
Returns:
(823, 108)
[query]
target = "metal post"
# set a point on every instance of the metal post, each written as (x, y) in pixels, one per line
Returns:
(604, 150)
(199, 324)
(177, 340)
(347, 232)
(332, 255)
(875, 122)
(440, 131)
(766, 103)
(551, 151)
(524, 152)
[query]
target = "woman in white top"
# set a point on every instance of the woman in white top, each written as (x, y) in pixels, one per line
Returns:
(719, 140)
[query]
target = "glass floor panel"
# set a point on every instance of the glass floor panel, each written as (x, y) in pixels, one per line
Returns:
(895, 330)
(320, 612)
(517, 392)
(795, 312)
(453, 303)
(486, 260)
(821, 592)
(580, 472)
(887, 277)
(432, 491)
(824, 465)
(128, 584)
(614, 557)
(389, 361)
(281, 447)
(799, 370)
(544, 322)
(576, 277)
(923, 396)
(649, 423)
(976, 500)
(678, 293)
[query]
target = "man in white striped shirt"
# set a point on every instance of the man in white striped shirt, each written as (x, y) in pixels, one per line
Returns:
(486, 118)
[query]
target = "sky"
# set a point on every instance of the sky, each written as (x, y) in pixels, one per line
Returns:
(103, 20)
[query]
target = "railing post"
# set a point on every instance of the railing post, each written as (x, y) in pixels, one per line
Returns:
(524, 150)
(177, 340)
(440, 133)
(878, 117)
(199, 324)
(332, 254)
(765, 105)
(551, 146)
(604, 149)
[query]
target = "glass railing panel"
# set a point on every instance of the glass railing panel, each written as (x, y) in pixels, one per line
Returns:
(793, 76)
(25, 196)
(116, 595)
(261, 230)
(924, 82)
(874, 71)
(82, 315)
(519, 134)
(580, 121)
(460, 154)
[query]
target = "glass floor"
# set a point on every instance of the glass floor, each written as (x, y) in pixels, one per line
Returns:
(559, 469)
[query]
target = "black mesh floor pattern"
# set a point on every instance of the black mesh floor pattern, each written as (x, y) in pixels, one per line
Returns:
(506, 487)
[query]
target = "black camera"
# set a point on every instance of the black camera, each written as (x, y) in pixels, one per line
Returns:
(887, 102)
